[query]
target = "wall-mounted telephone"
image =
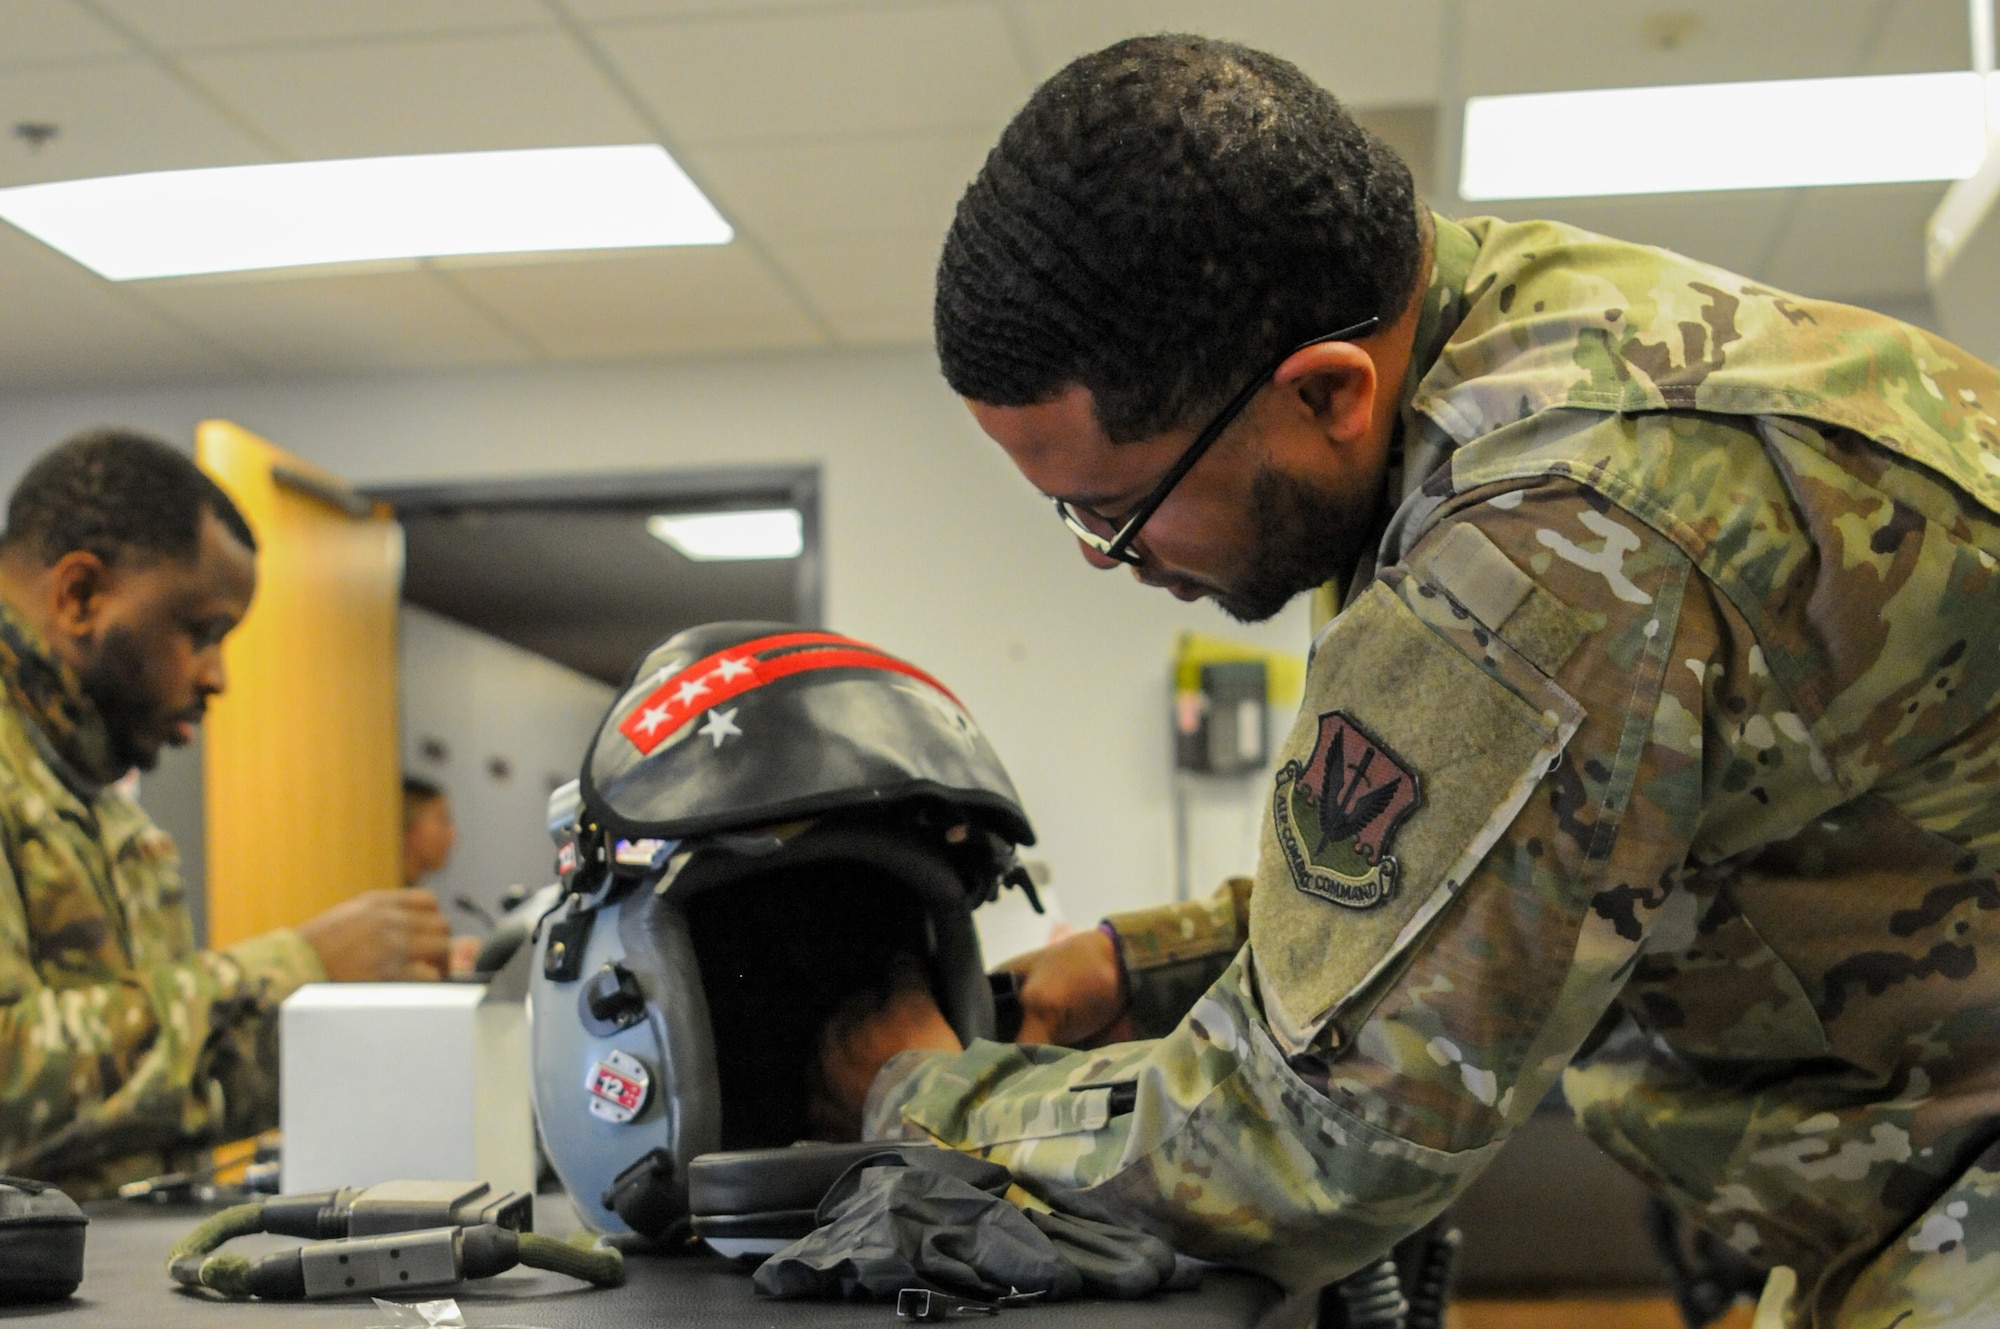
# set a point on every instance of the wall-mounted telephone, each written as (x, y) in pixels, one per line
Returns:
(1220, 723)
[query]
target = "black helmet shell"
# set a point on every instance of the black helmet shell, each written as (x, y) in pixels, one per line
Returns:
(735, 725)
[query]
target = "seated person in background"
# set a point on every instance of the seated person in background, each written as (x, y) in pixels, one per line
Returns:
(428, 836)
(428, 832)
(123, 1049)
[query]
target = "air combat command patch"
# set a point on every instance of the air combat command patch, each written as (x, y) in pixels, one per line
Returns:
(1337, 811)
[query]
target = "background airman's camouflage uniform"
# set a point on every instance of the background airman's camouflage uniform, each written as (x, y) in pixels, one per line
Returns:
(1687, 630)
(123, 1049)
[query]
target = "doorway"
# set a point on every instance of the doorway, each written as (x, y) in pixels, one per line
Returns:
(526, 603)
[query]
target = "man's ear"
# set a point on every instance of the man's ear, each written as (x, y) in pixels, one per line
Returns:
(76, 583)
(1337, 382)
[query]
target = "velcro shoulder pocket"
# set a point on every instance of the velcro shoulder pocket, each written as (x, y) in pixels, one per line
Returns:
(1407, 763)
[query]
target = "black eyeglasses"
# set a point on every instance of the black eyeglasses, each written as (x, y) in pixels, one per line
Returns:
(1117, 544)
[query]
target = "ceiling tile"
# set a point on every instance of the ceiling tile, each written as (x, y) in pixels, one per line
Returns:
(359, 321)
(883, 327)
(1920, 35)
(1862, 245)
(40, 31)
(636, 304)
(1541, 45)
(1731, 230)
(189, 25)
(873, 287)
(890, 182)
(818, 74)
(459, 94)
(593, 10)
(62, 326)
(113, 118)
(1367, 52)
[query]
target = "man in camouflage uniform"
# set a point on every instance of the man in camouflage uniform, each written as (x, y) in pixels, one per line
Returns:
(123, 1049)
(1658, 740)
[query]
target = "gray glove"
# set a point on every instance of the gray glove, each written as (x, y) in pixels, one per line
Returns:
(939, 1219)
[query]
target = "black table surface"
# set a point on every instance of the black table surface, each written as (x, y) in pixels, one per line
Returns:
(125, 1283)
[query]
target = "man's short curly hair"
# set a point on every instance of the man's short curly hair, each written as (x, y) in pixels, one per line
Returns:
(1162, 218)
(110, 491)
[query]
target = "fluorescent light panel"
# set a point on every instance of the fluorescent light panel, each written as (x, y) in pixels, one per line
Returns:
(1769, 135)
(709, 537)
(309, 214)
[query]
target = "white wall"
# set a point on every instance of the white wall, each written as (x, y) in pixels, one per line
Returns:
(482, 699)
(935, 547)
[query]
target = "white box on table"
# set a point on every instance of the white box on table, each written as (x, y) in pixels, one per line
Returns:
(418, 1081)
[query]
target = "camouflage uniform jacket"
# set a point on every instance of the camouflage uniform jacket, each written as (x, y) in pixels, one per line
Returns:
(1675, 696)
(122, 1048)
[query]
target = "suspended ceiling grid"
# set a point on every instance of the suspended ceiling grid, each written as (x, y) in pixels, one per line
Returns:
(834, 134)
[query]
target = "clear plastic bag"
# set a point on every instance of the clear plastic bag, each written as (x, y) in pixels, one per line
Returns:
(441, 1314)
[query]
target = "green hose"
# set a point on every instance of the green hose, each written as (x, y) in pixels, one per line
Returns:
(227, 1274)
(192, 1262)
(603, 1266)
(195, 1263)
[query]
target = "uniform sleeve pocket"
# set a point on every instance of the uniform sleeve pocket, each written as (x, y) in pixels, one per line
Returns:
(1407, 763)
(1084, 1108)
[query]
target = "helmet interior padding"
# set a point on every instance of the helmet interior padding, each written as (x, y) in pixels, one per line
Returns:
(778, 957)
(784, 943)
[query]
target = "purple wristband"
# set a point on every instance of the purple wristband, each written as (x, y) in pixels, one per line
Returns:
(1118, 953)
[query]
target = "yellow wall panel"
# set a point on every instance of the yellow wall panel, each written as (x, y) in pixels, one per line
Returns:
(300, 767)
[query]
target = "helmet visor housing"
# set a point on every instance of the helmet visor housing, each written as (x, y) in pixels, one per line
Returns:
(736, 725)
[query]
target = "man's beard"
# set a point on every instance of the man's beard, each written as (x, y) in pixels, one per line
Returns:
(115, 682)
(1304, 538)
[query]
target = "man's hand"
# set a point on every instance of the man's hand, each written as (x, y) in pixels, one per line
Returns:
(465, 956)
(860, 1037)
(1073, 992)
(382, 935)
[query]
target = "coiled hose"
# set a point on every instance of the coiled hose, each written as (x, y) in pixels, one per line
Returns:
(478, 1252)
(1405, 1289)
(1373, 1297)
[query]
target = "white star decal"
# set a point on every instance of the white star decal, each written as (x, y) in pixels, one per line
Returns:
(729, 669)
(688, 691)
(720, 725)
(652, 718)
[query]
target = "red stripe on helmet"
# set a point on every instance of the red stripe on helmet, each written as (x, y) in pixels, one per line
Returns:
(729, 673)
